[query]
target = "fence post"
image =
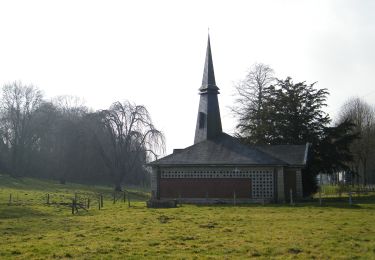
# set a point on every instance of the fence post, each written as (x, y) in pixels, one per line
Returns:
(47, 198)
(88, 203)
(124, 198)
(10, 199)
(234, 198)
(128, 199)
(73, 205)
(114, 197)
(320, 197)
(320, 190)
(101, 201)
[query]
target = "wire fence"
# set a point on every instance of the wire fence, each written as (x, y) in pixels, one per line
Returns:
(351, 194)
(340, 190)
(77, 201)
(85, 201)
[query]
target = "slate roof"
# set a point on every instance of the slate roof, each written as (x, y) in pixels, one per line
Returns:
(291, 154)
(227, 150)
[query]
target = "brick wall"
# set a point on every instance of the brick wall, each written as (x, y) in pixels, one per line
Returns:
(202, 188)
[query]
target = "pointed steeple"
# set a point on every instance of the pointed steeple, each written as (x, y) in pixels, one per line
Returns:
(208, 81)
(208, 120)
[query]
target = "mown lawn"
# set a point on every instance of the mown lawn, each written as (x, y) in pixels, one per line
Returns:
(35, 230)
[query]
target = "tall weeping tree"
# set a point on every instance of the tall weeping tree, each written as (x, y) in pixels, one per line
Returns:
(251, 107)
(125, 136)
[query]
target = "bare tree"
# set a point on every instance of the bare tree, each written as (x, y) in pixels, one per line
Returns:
(61, 138)
(69, 133)
(125, 136)
(18, 105)
(64, 149)
(363, 116)
(250, 108)
(70, 105)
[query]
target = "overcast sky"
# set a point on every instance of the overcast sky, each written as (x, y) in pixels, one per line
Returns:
(152, 52)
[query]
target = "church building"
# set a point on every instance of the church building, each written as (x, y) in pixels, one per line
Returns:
(218, 168)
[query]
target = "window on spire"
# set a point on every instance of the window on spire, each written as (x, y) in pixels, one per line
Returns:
(202, 120)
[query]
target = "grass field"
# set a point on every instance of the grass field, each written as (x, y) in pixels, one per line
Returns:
(30, 229)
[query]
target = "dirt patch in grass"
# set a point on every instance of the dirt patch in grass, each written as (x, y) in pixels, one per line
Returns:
(295, 250)
(164, 219)
(208, 225)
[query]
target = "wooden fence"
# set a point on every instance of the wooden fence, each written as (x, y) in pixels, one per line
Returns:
(75, 202)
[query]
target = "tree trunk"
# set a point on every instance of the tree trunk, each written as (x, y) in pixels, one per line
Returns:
(117, 178)
(364, 172)
(118, 187)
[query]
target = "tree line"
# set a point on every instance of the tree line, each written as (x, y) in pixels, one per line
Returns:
(63, 139)
(278, 111)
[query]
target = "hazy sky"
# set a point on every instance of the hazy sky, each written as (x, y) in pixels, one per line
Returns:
(152, 52)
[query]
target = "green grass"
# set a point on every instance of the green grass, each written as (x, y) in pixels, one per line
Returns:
(38, 231)
(34, 191)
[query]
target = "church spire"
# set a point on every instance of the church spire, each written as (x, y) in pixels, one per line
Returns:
(208, 81)
(208, 120)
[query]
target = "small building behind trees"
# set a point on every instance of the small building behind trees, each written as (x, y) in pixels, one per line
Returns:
(219, 168)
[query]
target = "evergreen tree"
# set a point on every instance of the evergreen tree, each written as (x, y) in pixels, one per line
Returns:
(295, 112)
(331, 154)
